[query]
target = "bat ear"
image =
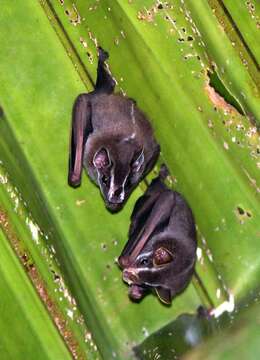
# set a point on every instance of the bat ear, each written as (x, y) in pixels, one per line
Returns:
(101, 159)
(162, 256)
(164, 295)
(138, 162)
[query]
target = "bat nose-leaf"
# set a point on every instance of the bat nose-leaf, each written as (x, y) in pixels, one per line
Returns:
(117, 196)
(130, 276)
(118, 192)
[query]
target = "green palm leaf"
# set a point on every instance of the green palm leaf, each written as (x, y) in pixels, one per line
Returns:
(178, 60)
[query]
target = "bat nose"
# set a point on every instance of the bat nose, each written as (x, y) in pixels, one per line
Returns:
(118, 192)
(130, 276)
(117, 196)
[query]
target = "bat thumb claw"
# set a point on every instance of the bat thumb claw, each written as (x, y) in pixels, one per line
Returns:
(164, 172)
(74, 181)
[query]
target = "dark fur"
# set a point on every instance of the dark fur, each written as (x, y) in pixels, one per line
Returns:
(113, 124)
(161, 219)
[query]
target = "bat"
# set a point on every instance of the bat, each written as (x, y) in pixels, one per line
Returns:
(112, 139)
(160, 253)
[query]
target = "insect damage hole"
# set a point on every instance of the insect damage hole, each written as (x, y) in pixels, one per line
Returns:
(219, 94)
(242, 214)
(240, 210)
(103, 246)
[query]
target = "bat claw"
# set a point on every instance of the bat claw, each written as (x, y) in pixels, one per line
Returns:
(164, 172)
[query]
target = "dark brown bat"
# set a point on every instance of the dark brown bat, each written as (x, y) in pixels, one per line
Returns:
(112, 139)
(161, 251)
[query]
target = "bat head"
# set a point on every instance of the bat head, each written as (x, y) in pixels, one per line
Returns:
(164, 264)
(119, 168)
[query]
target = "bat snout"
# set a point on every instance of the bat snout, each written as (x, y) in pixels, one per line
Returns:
(130, 276)
(113, 208)
(116, 196)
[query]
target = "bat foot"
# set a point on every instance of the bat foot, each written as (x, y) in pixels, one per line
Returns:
(102, 54)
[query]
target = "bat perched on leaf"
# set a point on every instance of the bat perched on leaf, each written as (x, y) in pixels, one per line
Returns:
(112, 139)
(161, 251)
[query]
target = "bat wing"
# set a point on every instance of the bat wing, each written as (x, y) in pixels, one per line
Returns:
(144, 205)
(81, 128)
(159, 215)
(142, 210)
(150, 164)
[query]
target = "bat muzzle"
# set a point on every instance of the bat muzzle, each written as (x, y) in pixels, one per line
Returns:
(130, 276)
(117, 195)
(113, 208)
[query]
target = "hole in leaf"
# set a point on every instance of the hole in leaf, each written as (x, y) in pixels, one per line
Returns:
(216, 83)
(240, 210)
(243, 214)
(104, 247)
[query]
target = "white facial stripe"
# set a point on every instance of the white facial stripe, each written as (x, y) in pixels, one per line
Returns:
(112, 185)
(122, 195)
(132, 113)
(140, 160)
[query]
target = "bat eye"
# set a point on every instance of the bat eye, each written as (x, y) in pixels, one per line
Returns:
(162, 256)
(144, 262)
(105, 179)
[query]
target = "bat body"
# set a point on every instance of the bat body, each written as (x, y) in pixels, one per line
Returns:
(161, 251)
(112, 139)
